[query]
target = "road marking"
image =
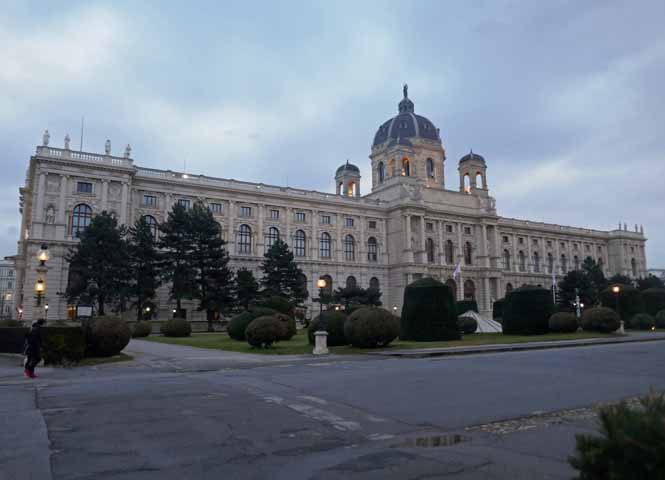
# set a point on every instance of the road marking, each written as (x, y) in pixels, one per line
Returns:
(317, 414)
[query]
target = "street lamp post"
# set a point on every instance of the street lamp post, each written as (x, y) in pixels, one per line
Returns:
(39, 291)
(45, 311)
(321, 335)
(616, 290)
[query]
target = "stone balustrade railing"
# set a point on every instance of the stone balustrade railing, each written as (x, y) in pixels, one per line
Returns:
(66, 154)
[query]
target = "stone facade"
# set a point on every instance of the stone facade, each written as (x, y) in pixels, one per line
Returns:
(7, 287)
(408, 226)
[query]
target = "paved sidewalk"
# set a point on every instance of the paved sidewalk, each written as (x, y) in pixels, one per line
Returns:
(632, 337)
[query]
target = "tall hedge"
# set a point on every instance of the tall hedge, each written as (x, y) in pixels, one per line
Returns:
(429, 312)
(497, 308)
(12, 339)
(464, 306)
(654, 300)
(334, 323)
(527, 311)
(630, 301)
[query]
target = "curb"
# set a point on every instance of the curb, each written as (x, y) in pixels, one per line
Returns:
(511, 347)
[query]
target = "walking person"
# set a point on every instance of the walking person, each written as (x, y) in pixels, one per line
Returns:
(33, 348)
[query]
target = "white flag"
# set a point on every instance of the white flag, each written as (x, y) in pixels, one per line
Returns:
(458, 270)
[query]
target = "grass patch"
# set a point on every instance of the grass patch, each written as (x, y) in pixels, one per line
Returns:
(91, 361)
(298, 345)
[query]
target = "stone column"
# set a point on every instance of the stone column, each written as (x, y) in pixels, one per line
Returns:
(408, 244)
(314, 240)
(62, 201)
(483, 245)
(287, 234)
(105, 195)
(338, 237)
(362, 244)
(232, 228)
(123, 203)
(529, 260)
(487, 294)
(498, 252)
(41, 190)
(423, 253)
(515, 262)
(261, 238)
(383, 252)
(439, 226)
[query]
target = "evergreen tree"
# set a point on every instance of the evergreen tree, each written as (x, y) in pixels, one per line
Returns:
(246, 287)
(176, 245)
(213, 279)
(98, 263)
(576, 279)
(357, 296)
(143, 262)
(620, 279)
(281, 275)
(596, 276)
(651, 281)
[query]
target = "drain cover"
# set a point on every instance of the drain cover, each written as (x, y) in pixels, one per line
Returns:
(436, 441)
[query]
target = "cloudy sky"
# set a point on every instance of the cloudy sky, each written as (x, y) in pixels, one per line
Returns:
(564, 99)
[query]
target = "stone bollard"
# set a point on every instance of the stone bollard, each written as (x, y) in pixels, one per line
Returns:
(321, 343)
(621, 331)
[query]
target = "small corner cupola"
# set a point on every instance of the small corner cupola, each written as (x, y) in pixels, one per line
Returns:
(347, 180)
(406, 105)
(472, 173)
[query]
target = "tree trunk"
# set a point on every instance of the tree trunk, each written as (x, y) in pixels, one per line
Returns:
(210, 314)
(100, 310)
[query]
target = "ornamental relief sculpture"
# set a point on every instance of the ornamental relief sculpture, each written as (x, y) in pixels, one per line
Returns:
(52, 184)
(114, 191)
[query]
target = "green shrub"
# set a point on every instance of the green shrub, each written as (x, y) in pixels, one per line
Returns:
(264, 331)
(630, 300)
(371, 327)
(334, 326)
(464, 306)
(563, 322)
(176, 327)
(527, 310)
(12, 339)
(142, 329)
(278, 304)
(660, 319)
(467, 325)
(10, 324)
(238, 324)
(641, 321)
(631, 443)
(600, 319)
(654, 300)
(428, 312)
(288, 324)
(63, 345)
(107, 336)
(497, 308)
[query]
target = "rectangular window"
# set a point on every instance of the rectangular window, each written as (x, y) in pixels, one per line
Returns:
(588, 248)
(183, 202)
(215, 207)
(449, 229)
(300, 216)
(348, 222)
(562, 245)
(372, 224)
(325, 219)
(467, 230)
(520, 241)
(535, 241)
(429, 226)
(149, 201)
(84, 187)
(245, 211)
(274, 214)
(505, 239)
(549, 243)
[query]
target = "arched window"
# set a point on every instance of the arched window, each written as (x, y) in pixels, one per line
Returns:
(152, 225)
(328, 289)
(550, 263)
(382, 172)
(81, 218)
(450, 252)
(349, 248)
(536, 262)
(521, 261)
(468, 256)
(633, 267)
(453, 286)
(351, 282)
(272, 237)
(429, 247)
(324, 245)
(391, 168)
(372, 250)
(509, 288)
(406, 167)
(469, 290)
(467, 183)
(300, 241)
(374, 283)
(430, 168)
(479, 180)
(576, 262)
(244, 239)
(564, 264)
(506, 260)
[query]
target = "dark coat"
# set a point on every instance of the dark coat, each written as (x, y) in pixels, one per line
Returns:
(33, 340)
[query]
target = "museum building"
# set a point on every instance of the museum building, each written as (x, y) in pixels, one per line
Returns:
(410, 225)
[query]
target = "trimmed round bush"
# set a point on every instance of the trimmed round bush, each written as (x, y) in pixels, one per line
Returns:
(264, 331)
(527, 311)
(279, 304)
(371, 328)
(630, 301)
(288, 324)
(142, 329)
(238, 324)
(64, 345)
(429, 312)
(176, 327)
(563, 322)
(334, 326)
(641, 321)
(497, 308)
(660, 319)
(464, 306)
(467, 325)
(108, 336)
(654, 300)
(600, 319)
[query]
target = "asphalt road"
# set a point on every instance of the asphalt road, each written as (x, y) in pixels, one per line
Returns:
(185, 414)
